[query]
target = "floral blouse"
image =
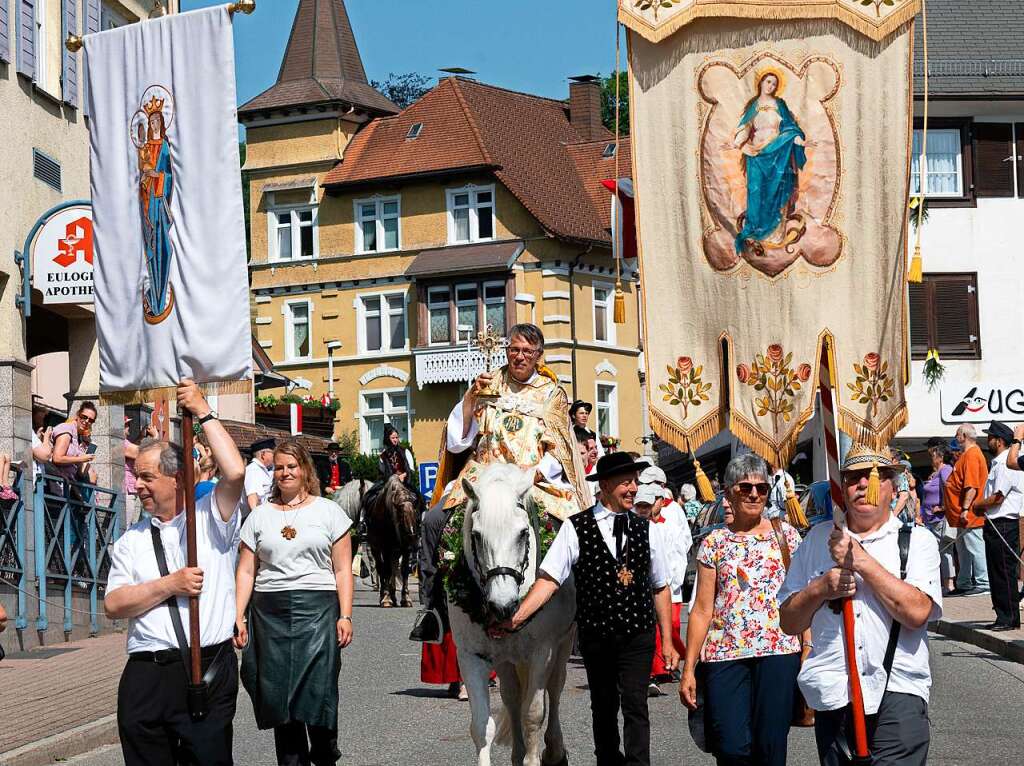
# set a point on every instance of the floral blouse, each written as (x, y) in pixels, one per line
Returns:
(748, 575)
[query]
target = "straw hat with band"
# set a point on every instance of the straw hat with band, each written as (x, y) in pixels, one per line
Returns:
(861, 457)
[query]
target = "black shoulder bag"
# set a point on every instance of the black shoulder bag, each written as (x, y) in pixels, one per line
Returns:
(198, 695)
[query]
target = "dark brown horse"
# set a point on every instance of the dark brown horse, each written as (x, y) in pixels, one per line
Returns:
(391, 529)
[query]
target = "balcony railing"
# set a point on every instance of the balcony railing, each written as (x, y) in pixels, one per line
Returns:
(452, 364)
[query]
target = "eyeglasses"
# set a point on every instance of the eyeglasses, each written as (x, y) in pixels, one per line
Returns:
(746, 487)
(87, 419)
(514, 351)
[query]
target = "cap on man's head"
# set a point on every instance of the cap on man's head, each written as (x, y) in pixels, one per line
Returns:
(645, 494)
(257, 447)
(1000, 431)
(652, 474)
(333, 447)
(954, 446)
(580, 404)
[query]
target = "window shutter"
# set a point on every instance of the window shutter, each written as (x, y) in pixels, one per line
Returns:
(69, 60)
(993, 159)
(5, 33)
(92, 24)
(25, 32)
(920, 321)
(1019, 131)
(955, 305)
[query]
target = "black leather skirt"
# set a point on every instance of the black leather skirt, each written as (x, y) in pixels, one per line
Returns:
(291, 665)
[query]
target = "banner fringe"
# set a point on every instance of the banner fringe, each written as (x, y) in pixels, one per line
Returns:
(876, 438)
(682, 439)
(147, 395)
(784, 12)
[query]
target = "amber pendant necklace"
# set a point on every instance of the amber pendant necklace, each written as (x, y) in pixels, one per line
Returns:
(288, 531)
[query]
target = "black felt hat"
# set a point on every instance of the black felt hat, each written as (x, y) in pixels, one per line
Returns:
(257, 447)
(1000, 431)
(580, 404)
(616, 463)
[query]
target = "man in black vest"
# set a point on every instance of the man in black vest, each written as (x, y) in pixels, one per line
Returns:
(620, 570)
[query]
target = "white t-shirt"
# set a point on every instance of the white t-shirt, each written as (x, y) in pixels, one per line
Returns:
(1010, 484)
(133, 561)
(37, 467)
(823, 678)
(259, 480)
(304, 562)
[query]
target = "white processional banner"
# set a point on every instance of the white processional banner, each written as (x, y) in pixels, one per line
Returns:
(171, 282)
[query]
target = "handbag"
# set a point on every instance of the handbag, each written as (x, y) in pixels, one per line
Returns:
(803, 715)
(197, 695)
(427, 627)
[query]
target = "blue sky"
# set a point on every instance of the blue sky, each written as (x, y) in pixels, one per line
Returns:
(528, 45)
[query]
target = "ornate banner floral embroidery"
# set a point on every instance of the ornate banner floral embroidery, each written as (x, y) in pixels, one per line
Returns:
(873, 383)
(685, 387)
(771, 374)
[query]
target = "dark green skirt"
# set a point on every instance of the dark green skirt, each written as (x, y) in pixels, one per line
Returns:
(291, 665)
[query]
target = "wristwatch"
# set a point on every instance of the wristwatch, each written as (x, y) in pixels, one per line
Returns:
(211, 415)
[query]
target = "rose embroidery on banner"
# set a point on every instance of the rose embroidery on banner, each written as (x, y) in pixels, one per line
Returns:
(772, 375)
(685, 387)
(873, 383)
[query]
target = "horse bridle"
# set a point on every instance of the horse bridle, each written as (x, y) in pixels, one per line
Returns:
(519, 575)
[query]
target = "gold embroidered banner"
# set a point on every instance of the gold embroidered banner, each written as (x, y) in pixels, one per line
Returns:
(771, 165)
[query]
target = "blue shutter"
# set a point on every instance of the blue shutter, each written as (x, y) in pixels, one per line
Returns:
(92, 24)
(5, 33)
(25, 33)
(69, 60)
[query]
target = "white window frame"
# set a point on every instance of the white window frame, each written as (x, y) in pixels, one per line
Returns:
(275, 213)
(612, 406)
(110, 18)
(474, 225)
(448, 290)
(609, 316)
(493, 301)
(459, 304)
(42, 51)
(289, 328)
(386, 312)
(379, 203)
(388, 413)
(959, 193)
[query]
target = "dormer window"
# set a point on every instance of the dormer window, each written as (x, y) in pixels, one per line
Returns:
(414, 131)
(609, 151)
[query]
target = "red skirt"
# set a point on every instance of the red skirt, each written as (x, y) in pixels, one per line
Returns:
(440, 663)
(658, 666)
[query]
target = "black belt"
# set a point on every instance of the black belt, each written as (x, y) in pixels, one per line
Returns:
(170, 656)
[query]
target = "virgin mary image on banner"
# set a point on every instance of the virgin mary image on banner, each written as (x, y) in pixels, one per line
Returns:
(770, 164)
(156, 187)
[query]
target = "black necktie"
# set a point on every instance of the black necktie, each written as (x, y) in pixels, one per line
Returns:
(619, 529)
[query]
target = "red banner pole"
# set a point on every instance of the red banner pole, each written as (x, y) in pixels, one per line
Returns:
(828, 419)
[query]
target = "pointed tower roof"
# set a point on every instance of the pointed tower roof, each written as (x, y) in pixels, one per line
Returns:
(321, 65)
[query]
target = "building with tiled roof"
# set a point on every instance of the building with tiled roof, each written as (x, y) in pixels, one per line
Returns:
(381, 241)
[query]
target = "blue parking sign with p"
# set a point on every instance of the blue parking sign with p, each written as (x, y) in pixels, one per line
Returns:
(428, 477)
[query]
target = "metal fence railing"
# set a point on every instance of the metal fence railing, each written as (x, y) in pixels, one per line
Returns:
(12, 544)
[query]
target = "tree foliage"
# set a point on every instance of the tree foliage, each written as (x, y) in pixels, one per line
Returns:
(403, 89)
(608, 103)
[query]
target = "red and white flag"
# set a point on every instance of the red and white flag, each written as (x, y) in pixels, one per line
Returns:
(624, 221)
(295, 412)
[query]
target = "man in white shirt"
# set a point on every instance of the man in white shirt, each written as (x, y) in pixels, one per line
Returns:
(671, 510)
(259, 474)
(862, 562)
(621, 575)
(1001, 506)
(152, 713)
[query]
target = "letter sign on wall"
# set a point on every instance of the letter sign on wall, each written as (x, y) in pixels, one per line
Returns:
(62, 256)
(982, 402)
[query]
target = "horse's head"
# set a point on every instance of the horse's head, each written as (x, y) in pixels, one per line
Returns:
(498, 536)
(403, 502)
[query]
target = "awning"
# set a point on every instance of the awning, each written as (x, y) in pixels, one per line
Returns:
(465, 259)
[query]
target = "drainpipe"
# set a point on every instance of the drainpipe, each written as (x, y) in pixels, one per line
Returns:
(572, 312)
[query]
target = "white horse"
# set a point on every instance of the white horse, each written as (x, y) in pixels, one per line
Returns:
(501, 549)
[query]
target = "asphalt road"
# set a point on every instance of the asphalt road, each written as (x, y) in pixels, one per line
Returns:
(389, 717)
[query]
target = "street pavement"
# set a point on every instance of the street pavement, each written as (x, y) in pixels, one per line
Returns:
(389, 717)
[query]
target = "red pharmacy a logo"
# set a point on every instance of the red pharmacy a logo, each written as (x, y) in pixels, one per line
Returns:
(76, 242)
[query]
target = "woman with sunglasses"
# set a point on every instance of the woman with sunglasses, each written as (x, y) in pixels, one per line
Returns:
(750, 665)
(69, 458)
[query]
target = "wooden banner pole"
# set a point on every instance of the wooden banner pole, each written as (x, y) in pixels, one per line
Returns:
(187, 440)
(828, 419)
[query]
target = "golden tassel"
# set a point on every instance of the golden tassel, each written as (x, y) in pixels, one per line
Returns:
(619, 315)
(794, 512)
(915, 274)
(873, 494)
(704, 488)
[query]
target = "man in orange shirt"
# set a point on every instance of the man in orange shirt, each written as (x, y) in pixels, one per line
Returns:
(965, 486)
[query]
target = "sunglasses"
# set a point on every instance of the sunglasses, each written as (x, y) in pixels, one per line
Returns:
(746, 487)
(854, 477)
(87, 419)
